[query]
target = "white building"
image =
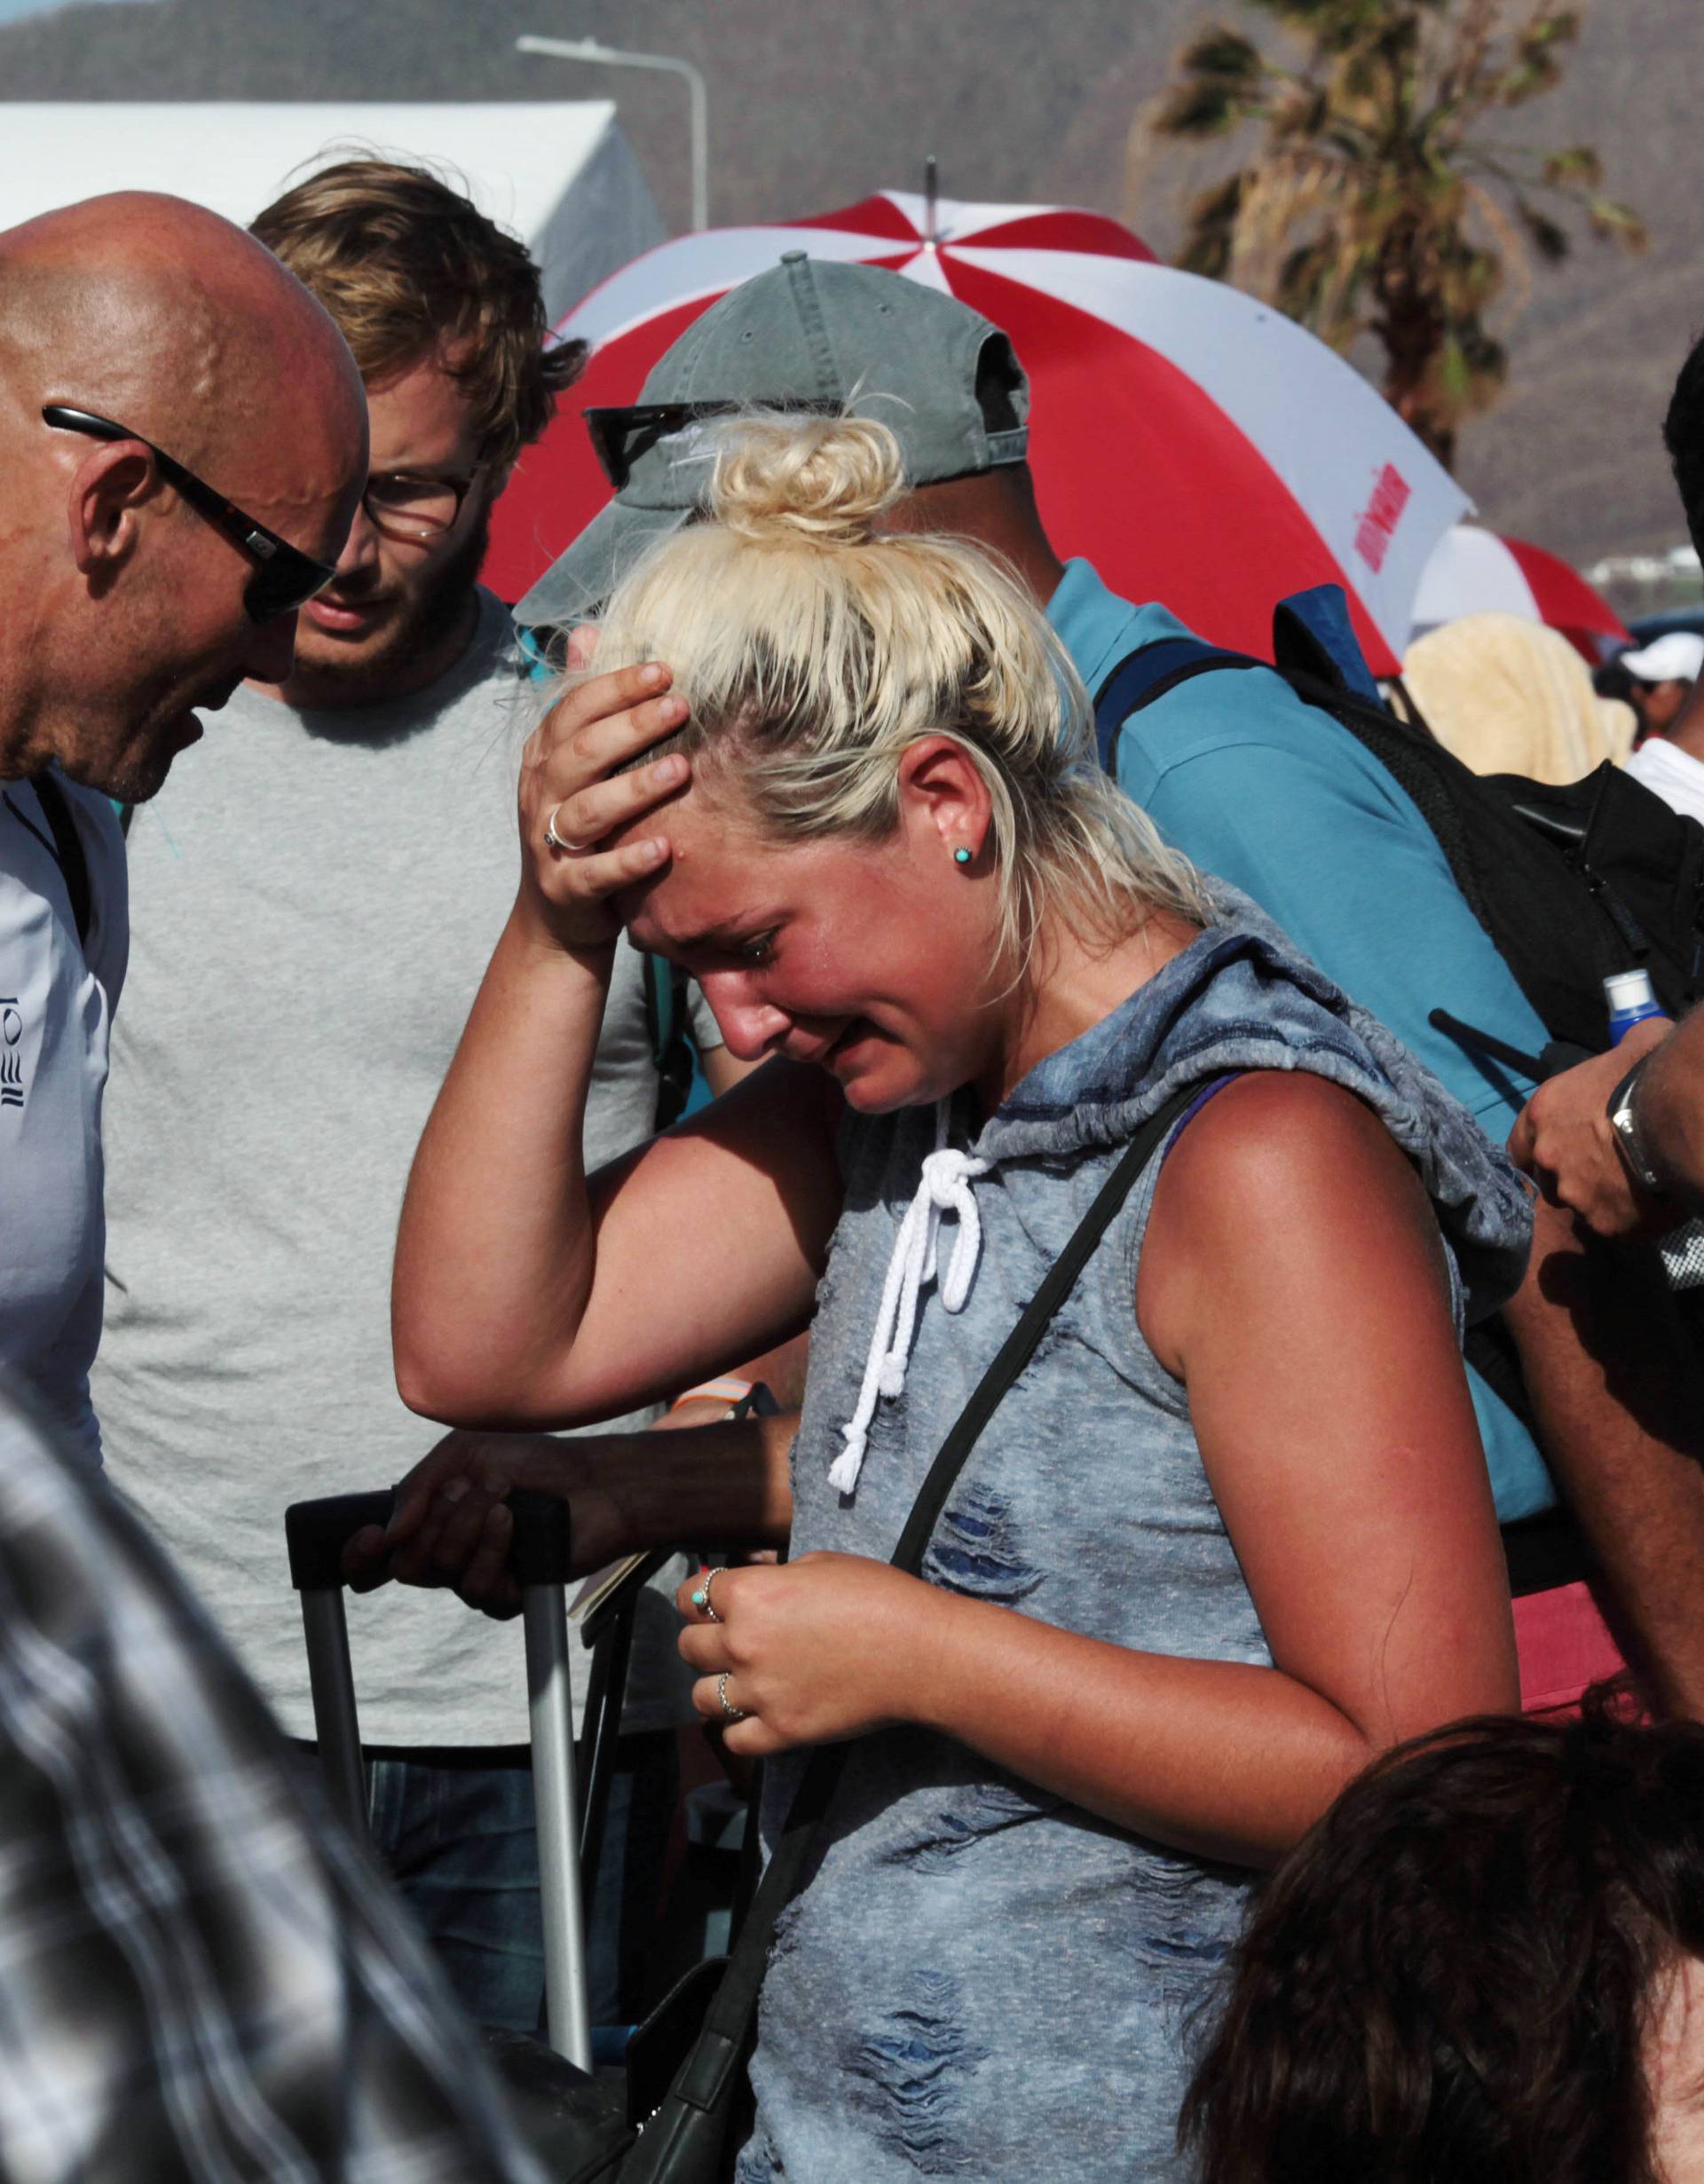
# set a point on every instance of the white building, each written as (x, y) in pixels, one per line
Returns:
(560, 174)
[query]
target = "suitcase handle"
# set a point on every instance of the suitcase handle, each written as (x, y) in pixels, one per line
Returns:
(317, 1532)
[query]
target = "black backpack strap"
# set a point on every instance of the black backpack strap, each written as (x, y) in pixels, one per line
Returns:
(666, 1029)
(703, 2077)
(1149, 672)
(1410, 754)
(68, 850)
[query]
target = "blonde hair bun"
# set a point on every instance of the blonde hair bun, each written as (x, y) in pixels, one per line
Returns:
(779, 478)
(813, 651)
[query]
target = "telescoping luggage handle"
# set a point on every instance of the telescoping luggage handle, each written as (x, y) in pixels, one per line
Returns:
(317, 1533)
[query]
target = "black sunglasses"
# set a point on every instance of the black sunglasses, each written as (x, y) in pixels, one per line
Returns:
(285, 580)
(621, 436)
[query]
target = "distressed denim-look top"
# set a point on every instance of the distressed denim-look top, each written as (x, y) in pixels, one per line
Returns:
(981, 1980)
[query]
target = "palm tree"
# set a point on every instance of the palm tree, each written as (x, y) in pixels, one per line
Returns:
(1375, 203)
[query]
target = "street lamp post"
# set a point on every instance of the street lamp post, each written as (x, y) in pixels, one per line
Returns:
(608, 55)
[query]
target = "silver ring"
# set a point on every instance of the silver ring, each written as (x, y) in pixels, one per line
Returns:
(734, 1713)
(701, 1600)
(553, 840)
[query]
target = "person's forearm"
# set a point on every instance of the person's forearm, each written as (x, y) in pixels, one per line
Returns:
(727, 1485)
(1216, 1758)
(1671, 1108)
(494, 1250)
(1619, 1400)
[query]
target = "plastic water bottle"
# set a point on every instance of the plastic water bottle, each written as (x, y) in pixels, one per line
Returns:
(1632, 998)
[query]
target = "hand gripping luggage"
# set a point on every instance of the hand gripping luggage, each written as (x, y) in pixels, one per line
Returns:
(575, 2122)
(317, 1532)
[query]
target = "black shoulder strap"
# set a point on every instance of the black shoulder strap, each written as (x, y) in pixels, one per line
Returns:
(668, 1021)
(68, 849)
(1148, 673)
(1408, 750)
(704, 2076)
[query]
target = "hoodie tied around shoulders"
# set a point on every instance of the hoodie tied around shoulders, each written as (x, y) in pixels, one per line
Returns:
(981, 1979)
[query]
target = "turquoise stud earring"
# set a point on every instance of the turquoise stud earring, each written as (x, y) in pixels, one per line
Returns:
(962, 856)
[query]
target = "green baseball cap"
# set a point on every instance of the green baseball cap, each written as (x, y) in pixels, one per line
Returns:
(813, 334)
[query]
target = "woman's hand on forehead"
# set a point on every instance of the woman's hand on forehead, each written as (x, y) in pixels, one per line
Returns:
(573, 796)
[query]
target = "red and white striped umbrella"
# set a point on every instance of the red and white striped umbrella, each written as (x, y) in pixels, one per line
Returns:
(1194, 444)
(1475, 571)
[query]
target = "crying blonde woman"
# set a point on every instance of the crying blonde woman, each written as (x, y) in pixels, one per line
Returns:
(1226, 1536)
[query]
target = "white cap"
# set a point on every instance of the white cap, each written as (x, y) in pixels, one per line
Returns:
(1626, 990)
(1677, 656)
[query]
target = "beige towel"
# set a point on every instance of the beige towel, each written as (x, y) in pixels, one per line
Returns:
(1511, 697)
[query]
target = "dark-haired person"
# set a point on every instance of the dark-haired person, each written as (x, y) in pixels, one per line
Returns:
(311, 921)
(1485, 1965)
(1662, 678)
(1619, 1140)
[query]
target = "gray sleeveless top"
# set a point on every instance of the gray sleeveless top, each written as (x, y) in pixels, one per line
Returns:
(979, 1979)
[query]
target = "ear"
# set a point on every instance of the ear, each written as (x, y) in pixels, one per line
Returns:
(943, 801)
(110, 485)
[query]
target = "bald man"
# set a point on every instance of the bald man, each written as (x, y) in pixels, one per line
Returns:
(199, 1981)
(183, 439)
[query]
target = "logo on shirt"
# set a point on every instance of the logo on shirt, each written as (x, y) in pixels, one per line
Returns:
(1391, 493)
(12, 1060)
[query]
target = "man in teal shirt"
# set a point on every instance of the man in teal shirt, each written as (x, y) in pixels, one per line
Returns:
(1272, 794)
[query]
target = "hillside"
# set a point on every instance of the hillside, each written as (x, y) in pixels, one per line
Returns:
(812, 106)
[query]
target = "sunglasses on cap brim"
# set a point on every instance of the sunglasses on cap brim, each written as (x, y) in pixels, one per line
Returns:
(621, 436)
(285, 578)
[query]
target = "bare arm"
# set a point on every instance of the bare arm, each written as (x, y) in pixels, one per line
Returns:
(528, 1296)
(1671, 1108)
(1617, 1389)
(1293, 1279)
(723, 1485)
(723, 1072)
(1563, 1137)
(524, 1295)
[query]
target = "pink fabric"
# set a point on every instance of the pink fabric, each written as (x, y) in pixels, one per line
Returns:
(1564, 1644)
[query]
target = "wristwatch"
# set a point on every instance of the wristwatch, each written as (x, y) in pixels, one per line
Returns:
(1623, 1120)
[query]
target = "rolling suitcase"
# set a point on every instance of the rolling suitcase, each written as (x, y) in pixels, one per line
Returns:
(315, 1533)
(576, 2122)
(583, 2127)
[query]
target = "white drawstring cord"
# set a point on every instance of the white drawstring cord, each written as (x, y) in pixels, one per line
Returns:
(944, 1187)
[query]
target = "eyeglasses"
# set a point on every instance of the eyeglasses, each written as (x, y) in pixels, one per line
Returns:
(621, 436)
(285, 578)
(416, 510)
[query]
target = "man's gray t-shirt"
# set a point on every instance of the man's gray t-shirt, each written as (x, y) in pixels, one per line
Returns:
(314, 899)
